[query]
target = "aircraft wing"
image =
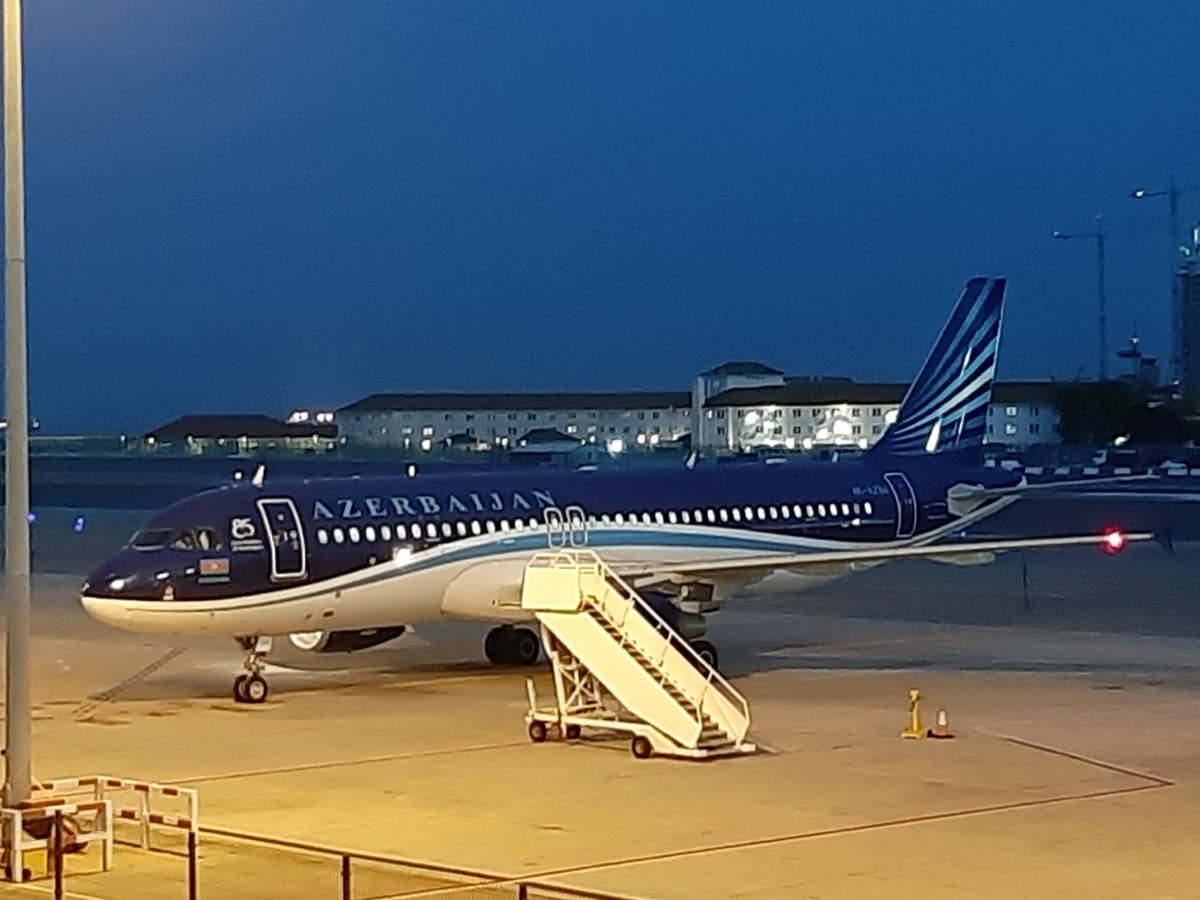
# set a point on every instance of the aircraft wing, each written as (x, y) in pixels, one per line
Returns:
(966, 552)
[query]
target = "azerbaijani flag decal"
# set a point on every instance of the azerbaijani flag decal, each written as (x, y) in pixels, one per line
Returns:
(214, 568)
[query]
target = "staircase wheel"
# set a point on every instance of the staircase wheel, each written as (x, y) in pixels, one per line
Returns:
(572, 732)
(537, 731)
(640, 747)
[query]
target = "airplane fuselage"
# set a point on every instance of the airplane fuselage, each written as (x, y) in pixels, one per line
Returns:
(353, 553)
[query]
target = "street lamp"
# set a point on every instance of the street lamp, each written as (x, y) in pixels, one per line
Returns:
(18, 714)
(1172, 194)
(1098, 234)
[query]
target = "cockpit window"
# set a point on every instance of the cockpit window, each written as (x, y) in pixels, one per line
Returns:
(151, 538)
(176, 539)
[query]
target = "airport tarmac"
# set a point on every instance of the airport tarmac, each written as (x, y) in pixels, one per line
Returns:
(1072, 682)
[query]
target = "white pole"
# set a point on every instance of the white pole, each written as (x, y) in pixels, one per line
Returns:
(18, 774)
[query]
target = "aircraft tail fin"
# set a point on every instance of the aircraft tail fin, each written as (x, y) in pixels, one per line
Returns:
(945, 409)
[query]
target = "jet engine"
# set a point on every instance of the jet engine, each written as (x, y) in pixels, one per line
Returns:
(344, 641)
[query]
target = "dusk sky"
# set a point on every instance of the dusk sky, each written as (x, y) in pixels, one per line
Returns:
(249, 207)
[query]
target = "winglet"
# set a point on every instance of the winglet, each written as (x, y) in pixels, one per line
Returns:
(1164, 539)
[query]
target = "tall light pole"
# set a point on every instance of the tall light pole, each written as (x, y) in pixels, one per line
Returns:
(1098, 234)
(18, 770)
(1172, 193)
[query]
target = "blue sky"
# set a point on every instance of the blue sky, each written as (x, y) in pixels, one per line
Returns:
(254, 206)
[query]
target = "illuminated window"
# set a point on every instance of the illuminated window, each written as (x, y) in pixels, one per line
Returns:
(712, 516)
(658, 517)
(1010, 410)
(749, 513)
(857, 509)
(645, 518)
(867, 507)
(774, 510)
(475, 529)
(798, 511)
(339, 536)
(686, 517)
(808, 510)
(462, 529)
(845, 509)
(490, 526)
(724, 516)
(355, 536)
(672, 518)
(518, 524)
(821, 510)
(401, 532)
(369, 532)
(762, 513)
(322, 536)
(385, 532)
(619, 518)
(431, 530)
(504, 524)
(1010, 428)
(737, 514)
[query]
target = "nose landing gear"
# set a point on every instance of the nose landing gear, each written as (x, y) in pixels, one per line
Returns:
(252, 686)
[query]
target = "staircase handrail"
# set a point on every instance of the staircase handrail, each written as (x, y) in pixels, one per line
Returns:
(671, 636)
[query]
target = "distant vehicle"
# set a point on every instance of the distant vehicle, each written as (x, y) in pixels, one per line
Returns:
(343, 564)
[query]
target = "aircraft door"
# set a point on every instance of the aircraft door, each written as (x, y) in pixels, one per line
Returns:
(289, 561)
(906, 503)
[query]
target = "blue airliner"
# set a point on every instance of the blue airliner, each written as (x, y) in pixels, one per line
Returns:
(342, 564)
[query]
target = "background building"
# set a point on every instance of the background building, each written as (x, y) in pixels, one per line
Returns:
(736, 408)
(1187, 288)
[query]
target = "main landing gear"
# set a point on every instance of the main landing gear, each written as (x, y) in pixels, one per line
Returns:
(508, 646)
(252, 686)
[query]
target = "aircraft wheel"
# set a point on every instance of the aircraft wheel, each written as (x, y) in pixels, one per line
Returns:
(707, 651)
(537, 731)
(640, 747)
(255, 689)
(523, 647)
(496, 645)
(572, 732)
(239, 689)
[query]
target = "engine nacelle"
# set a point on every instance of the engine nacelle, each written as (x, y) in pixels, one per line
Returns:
(344, 641)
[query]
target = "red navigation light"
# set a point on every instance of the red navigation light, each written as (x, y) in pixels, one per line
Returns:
(1114, 540)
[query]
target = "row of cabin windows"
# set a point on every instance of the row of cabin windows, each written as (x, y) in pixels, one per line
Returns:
(432, 531)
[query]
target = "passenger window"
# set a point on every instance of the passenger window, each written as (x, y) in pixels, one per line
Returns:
(737, 514)
(867, 507)
(749, 513)
(712, 516)
(475, 529)
(845, 509)
(504, 524)
(658, 517)
(339, 536)
(402, 532)
(725, 515)
(491, 526)
(354, 534)
(446, 530)
(775, 512)
(808, 511)
(462, 529)
(322, 536)
(762, 513)
(821, 510)
(431, 530)
(369, 531)
(686, 516)
(385, 532)
(620, 519)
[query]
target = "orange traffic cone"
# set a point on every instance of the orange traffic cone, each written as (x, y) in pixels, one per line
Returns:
(942, 728)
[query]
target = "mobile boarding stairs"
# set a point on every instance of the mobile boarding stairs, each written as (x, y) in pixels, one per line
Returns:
(619, 667)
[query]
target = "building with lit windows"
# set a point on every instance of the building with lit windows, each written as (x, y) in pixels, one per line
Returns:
(425, 421)
(735, 408)
(1187, 332)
